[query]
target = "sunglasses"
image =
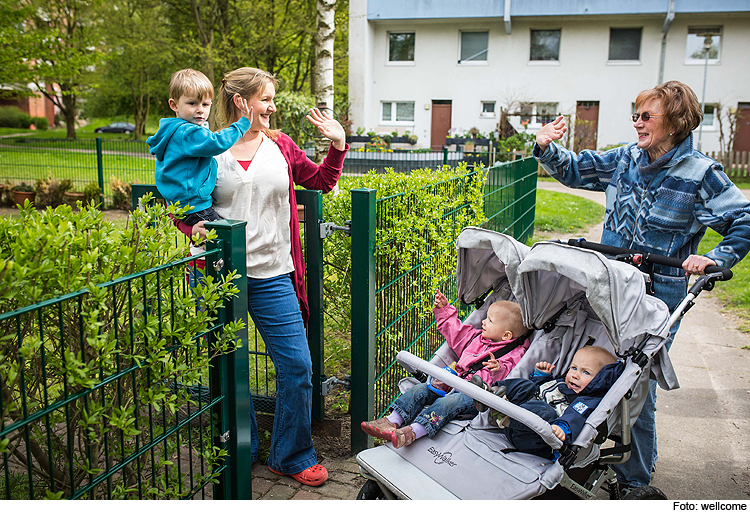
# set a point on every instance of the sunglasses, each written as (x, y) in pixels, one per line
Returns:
(645, 116)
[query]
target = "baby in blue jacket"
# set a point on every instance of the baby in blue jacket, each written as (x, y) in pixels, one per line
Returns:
(564, 402)
(184, 147)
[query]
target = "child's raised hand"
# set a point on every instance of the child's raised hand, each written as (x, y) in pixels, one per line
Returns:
(545, 367)
(492, 364)
(440, 299)
(559, 433)
(244, 108)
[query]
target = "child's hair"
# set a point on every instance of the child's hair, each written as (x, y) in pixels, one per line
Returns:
(190, 82)
(248, 82)
(602, 354)
(515, 319)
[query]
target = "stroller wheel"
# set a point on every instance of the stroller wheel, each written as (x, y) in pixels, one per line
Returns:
(645, 493)
(371, 491)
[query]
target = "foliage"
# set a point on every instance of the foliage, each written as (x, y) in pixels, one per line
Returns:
(40, 123)
(23, 187)
(419, 215)
(122, 193)
(92, 193)
(522, 141)
(111, 356)
(291, 111)
(51, 192)
(12, 117)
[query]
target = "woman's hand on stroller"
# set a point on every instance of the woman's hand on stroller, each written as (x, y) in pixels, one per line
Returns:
(440, 299)
(696, 264)
(546, 367)
(559, 433)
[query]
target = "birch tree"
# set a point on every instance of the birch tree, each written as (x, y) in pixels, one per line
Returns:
(325, 31)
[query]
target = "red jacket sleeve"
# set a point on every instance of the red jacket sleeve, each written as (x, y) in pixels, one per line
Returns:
(187, 230)
(457, 334)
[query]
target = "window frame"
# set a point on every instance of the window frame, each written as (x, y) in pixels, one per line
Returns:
(394, 113)
(388, 60)
(625, 61)
(531, 43)
(472, 62)
(484, 114)
(692, 30)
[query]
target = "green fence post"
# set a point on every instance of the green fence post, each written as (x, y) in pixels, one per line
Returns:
(445, 155)
(235, 376)
(363, 314)
(313, 202)
(100, 170)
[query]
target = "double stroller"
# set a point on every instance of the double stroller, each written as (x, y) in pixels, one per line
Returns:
(570, 296)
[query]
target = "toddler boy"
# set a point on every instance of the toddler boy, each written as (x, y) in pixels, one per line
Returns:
(564, 402)
(184, 146)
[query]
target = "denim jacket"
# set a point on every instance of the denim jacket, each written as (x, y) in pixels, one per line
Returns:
(664, 211)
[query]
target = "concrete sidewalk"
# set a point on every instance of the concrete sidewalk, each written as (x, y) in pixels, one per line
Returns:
(702, 427)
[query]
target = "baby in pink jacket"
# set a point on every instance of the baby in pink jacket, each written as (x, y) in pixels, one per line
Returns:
(491, 353)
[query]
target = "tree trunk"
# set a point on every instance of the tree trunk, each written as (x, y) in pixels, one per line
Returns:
(69, 110)
(325, 32)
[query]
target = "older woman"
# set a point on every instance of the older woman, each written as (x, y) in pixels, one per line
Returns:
(255, 182)
(661, 196)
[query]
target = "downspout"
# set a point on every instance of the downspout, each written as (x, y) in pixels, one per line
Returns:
(506, 17)
(665, 30)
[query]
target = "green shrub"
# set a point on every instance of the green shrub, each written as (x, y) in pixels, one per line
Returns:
(51, 192)
(68, 347)
(122, 193)
(419, 217)
(92, 193)
(40, 123)
(523, 141)
(12, 117)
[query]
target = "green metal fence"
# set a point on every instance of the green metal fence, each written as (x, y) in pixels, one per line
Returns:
(110, 434)
(82, 161)
(404, 161)
(386, 315)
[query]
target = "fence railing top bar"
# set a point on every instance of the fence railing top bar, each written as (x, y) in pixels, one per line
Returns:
(426, 187)
(114, 282)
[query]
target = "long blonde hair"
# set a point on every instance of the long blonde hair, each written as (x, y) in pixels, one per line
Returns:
(248, 83)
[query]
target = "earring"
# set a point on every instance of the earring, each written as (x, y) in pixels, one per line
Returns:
(671, 134)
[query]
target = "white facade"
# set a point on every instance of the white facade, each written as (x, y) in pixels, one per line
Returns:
(583, 71)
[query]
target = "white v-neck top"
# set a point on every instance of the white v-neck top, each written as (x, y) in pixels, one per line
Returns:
(259, 196)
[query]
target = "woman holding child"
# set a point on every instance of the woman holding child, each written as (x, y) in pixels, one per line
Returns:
(661, 196)
(255, 183)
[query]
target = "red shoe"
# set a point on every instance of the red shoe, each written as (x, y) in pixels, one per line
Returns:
(380, 428)
(312, 476)
(403, 437)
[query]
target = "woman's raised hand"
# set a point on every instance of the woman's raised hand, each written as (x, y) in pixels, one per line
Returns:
(330, 128)
(551, 132)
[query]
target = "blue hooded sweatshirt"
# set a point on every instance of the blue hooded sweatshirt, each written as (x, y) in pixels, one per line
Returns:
(582, 404)
(185, 167)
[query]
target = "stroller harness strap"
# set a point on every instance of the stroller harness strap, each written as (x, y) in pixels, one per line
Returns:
(477, 365)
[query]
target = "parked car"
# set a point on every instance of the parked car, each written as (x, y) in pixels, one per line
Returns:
(119, 127)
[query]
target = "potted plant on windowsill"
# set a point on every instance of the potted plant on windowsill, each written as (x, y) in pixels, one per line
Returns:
(22, 192)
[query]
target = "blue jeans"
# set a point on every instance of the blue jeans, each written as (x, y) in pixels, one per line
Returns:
(441, 410)
(274, 308)
(636, 471)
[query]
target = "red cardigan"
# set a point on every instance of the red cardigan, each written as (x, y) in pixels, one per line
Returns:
(304, 172)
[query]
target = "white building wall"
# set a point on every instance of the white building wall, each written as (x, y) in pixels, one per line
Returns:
(583, 72)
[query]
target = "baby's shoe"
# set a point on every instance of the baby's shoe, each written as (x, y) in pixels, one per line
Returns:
(380, 428)
(499, 418)
(403, 437)
(479, 382)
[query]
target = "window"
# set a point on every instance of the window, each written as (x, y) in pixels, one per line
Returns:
(537, 114)
(695, 49)
(398, 111)
(709, 111)
(401, 47)
(545, 44)
(474, 46)
(488, 109)
(625, 44)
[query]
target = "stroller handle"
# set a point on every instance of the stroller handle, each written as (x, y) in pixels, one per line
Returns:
(645, 257)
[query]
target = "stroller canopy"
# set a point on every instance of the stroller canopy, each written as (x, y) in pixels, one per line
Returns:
(615, 291)
(488, 260)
